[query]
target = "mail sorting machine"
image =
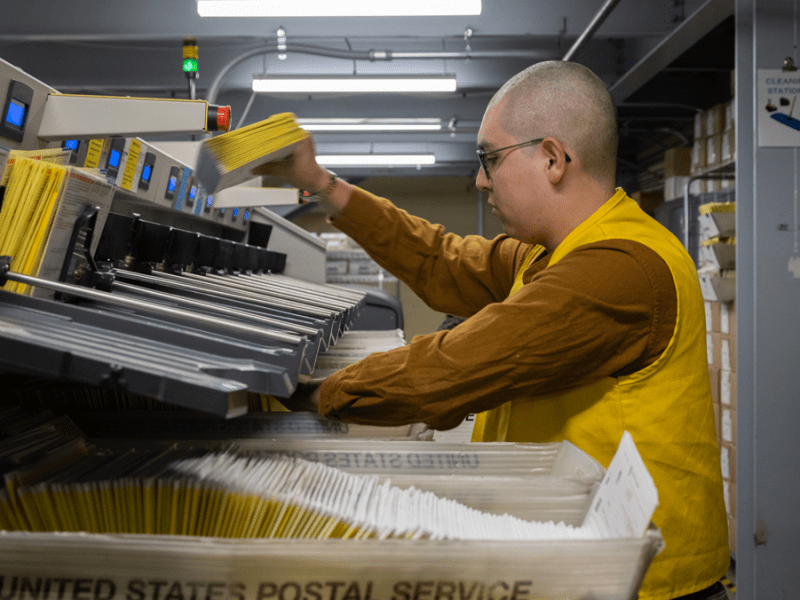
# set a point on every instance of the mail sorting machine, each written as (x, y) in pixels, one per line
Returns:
(216, 323)
(172, 309)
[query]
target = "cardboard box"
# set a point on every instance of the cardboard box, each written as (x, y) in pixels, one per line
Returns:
(730, 114)
(728, 150)
(675, 187)
(713, 378)
(729, 493)
(727, 459)
(699, 122)
(727, 316)
(727, 388)
(727, 352)
(715, 120)
(716, 350)
(714, 151)
(698, 154)
(713, 314)
(710, 348)
(677, 161)
(728, 425)
(723, 352)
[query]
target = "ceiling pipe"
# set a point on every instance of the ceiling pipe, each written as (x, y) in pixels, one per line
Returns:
(370, 55)
(634, 131)
(601, 15)
(694, 109)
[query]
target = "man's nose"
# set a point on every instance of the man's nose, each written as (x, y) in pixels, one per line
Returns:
(482, 182)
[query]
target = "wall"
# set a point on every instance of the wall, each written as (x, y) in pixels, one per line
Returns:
(452, 202)
(768, 330)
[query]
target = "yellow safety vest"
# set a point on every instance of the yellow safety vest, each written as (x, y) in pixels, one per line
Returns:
(666, 407)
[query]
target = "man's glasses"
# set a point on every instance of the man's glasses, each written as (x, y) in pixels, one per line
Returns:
(482, 155)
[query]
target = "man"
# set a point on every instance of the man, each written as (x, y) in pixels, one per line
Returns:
(585, 319)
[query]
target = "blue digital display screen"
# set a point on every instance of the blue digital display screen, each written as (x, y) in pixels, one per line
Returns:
(113, 158)
(147, 172)
(16, 113)
(72, 145)
(209, 200)
(173, 181)
(193, 192)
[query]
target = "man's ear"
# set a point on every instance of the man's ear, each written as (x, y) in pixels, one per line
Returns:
(556, 156)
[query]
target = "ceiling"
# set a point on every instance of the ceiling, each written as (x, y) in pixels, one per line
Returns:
(663, 60)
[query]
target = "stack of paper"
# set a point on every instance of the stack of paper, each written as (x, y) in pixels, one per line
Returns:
(56, 481)
(201, 496)
(27, 216)
(42, 202)
(230, 158)
(355, 345)
(229, 494)
(58, 156)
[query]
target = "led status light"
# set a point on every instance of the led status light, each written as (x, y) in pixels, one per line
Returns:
(190, 65)
(193, 192)
(16, 113)
(209, 200)
(173, 181)
(72, 145)
(235, 212)
(113, 158)
(147, 172)
(246, 215)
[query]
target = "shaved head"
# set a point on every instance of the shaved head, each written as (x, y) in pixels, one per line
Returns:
(567, 101)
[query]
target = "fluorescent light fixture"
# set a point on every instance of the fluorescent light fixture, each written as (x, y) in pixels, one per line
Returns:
(340, 8)
(353, 84)
(413, 124)
(375, 160)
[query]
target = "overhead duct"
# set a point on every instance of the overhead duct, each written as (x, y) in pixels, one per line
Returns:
(601, 15)
(693, 29)
(367, 55)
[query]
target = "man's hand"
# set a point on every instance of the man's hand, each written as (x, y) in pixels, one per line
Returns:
(300, 169)
(305, 396)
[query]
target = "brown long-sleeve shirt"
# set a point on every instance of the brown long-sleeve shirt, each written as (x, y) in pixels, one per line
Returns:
(605, 309)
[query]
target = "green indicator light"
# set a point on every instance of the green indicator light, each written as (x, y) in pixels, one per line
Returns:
(190, 65)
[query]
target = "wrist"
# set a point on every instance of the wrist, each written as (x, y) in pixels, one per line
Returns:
(325, 187)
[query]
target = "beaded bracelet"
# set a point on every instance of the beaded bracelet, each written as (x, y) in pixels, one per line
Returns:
(326, 191)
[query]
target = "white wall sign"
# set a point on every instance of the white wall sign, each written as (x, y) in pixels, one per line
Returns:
(778, 108)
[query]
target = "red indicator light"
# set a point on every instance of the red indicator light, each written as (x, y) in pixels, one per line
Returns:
(224, 118)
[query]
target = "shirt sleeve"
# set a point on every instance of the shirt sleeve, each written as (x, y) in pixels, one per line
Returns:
(605, 309)
(451, 274)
